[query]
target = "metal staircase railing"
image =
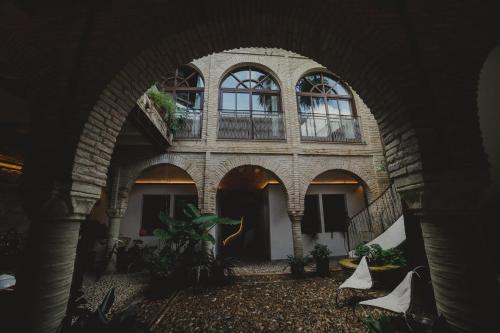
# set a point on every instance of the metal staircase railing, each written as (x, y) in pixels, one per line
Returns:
(379, 215)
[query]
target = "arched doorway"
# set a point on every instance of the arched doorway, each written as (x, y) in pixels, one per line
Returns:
(331, 198)
(163, 187)
(255, 195)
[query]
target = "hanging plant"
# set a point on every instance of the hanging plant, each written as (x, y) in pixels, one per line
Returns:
(166, 106)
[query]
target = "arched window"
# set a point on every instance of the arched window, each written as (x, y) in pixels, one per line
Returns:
(250, 106)
(326, 109)
(186, 88)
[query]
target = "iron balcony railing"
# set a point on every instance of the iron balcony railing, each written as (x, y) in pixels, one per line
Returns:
(320, 127)
(253, 125)
(190, 127)
(379, 215)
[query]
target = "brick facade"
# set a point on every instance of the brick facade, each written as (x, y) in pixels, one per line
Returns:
(365, 160)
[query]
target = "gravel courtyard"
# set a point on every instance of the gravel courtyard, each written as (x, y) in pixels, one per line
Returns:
(263, 303)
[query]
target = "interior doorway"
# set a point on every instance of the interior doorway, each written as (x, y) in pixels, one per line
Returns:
(242, 194)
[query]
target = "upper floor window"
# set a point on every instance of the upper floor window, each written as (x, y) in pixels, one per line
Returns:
(250, 106)
(186, 88)
(326, 110)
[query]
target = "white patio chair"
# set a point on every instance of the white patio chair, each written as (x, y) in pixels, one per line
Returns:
(399, 300)
(361, 279)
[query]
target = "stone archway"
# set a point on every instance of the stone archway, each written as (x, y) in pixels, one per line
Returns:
(389, 62)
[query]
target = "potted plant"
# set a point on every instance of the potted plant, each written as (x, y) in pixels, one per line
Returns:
(321, 254)
(387, 267)
(296, 265)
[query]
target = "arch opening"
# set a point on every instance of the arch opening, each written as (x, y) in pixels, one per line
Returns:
(257, 196)
(331, 198)
(160, 188)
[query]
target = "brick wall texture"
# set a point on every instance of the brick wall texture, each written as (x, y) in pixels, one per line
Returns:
(364, 160)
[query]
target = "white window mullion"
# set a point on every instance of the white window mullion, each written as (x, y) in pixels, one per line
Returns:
(321, 217)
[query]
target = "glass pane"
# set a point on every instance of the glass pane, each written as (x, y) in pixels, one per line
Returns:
(341, 90)
(303, 85)
(242, 74)
(274, 103)
(229, 101)
(257, 75)
(183, 101)
(319, 106)
(229, 82)
(269, 84)
(305, 104)
(345, 108)
(243, 101)
(321, 124)
(198, 100)
(330, 82)
(258, 102)
(333, 107)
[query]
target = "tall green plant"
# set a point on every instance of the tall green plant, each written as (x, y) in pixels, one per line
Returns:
(182, 251)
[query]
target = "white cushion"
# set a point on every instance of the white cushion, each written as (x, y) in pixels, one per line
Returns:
(361, 278)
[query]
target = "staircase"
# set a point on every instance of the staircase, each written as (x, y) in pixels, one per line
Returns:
(379, 215)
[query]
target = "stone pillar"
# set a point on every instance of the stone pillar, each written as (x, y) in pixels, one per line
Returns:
(46, 272)
(115, 218)
(298, 246)
(460, 269)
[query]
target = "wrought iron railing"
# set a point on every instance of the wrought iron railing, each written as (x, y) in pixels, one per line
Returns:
(191, 124)
(320, 127)
(379, 215)
(253, 125)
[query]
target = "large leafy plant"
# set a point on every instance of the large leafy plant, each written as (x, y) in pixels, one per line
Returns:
(182, 249)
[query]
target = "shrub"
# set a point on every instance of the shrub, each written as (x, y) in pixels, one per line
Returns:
(381, 325)
(297, 265)
(320, 252)
(376, 256)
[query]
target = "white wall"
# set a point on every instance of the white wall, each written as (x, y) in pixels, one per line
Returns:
(280, 225)
(131, 222)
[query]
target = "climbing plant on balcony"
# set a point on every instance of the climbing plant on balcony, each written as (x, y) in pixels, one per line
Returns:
(166, 105)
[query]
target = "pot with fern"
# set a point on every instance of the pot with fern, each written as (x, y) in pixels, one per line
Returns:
(321, 255)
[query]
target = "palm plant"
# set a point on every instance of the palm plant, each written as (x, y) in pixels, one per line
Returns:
(182, 253)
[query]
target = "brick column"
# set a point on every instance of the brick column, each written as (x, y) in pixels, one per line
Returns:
(46, 274)
(115, 218)
(460, 268)
(298, 246)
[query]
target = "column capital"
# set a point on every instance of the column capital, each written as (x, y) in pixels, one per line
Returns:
(444, 198)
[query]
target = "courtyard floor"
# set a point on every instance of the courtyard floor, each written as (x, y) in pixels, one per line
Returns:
(259, 303)
(263, 298)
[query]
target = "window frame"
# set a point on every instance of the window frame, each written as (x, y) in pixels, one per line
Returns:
(325, 96)
(177, 88)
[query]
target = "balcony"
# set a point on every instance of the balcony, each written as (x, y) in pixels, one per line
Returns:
(190, 127)
(329, 128)
(251, 125)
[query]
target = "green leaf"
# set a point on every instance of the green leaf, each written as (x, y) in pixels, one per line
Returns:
(191, 211)
(205, 218)
(208, 237)
(162, 234)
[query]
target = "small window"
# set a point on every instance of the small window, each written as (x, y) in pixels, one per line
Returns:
(179, 202)
(334, 212)
(311, 222)
(152, 206)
